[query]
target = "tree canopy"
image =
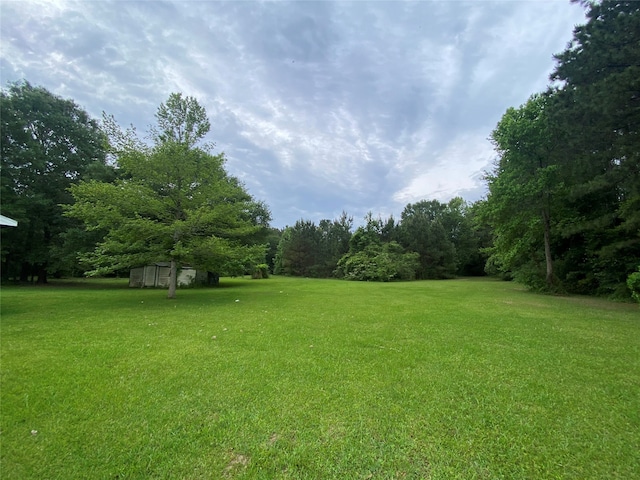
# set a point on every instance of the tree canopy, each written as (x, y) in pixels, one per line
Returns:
(174, 202)
(432, 240)
(307, 249)
(47, 144)
(523, 189)
(566, 189)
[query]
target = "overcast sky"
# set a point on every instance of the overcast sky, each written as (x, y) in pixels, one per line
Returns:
(320, 107)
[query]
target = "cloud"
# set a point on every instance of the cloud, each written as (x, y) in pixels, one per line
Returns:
(454, 171)
(319, 106)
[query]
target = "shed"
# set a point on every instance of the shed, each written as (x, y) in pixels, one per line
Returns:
(157, 275)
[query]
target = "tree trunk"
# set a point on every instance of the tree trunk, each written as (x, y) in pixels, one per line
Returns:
(42, 275)
(25, 270)
(5, 268)
(547, 247)
(173, 279)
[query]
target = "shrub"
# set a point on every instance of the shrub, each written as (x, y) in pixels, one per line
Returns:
(260, 271)
(633, 282)
(379, 263)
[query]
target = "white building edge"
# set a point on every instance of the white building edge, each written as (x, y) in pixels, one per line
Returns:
(7, 222)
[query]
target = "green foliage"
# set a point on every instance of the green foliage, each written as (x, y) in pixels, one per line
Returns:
(373, 256)
(273, 239)
(334, 243)
(479, 242)
(633, 282)
(298, 250)
(597, 109)
(47, 144)
(175, 201)
(260, 271)
(379, 263)
(180, 120)
(313, 251)
(441, 234)
(524, 193)
(564, 199)
(445, 236)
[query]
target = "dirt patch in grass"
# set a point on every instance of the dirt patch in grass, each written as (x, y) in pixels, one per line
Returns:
(237, 463)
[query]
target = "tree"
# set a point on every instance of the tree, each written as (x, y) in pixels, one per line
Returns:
(564, 198)
(334, 243)
(422, 230)
(379, 262)
(298, 250)
(481, 241)
(311, 250)
(598, 107)
(174, 201)
(47, 143)
(633, 282)
(372, 256)
(523, 190)
(273, 240)
(181, 121)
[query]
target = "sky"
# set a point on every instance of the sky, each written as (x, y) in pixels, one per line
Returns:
(319, 107)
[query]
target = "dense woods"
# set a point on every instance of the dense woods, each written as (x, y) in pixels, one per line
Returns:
(432, 240)
(562, 212)
(46, 144)
(564, 196)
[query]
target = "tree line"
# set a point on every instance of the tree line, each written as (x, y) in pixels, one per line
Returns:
(432, 240)
(564, 195)
(562, 212)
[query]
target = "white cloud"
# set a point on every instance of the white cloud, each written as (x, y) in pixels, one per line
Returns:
(320, 106)
(455, 170)
(441, 68)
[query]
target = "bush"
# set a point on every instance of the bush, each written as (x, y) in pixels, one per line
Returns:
(633, 282)
(379, 263)
(260, 271)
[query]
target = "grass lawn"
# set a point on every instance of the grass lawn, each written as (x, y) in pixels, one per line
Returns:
(317, 379)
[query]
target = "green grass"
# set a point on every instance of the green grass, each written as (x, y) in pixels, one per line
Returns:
(317, 379)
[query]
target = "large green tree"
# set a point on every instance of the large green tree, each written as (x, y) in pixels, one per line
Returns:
(374, 255)
(311, 250)
(523, 191)
(564, 198)
(334, 243)
(47, 144)
(440, 233)
(298, 250)
(175, 202)
(598, 107)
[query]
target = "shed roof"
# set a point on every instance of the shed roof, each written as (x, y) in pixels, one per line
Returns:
(8, 222)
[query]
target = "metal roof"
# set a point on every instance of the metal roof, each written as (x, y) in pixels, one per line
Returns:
(8, 222)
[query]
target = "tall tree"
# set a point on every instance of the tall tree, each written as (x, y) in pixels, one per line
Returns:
(273, 240)
(334, 243)
(311, 250)
(175, 202)
(458, 223)
(598, 106)
(47, 143)
(298, 250)
(373, 256)
(422, 230)
(523, 190)
(476, 261)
